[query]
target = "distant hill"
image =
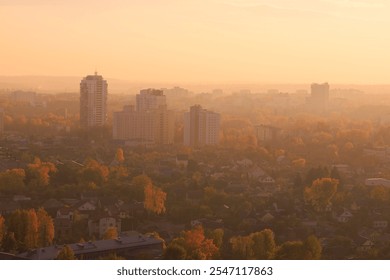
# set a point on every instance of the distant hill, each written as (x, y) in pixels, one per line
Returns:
(53, 84)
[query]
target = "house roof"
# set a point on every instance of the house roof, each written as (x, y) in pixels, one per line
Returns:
(123, 242)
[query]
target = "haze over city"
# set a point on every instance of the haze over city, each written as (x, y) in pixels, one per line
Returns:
(216, 41)
(195, 130)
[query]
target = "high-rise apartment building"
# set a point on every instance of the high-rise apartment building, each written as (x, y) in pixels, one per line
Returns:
(201, 127)
(93, 101)
(150, 123)
(150, 99)
(319, 97)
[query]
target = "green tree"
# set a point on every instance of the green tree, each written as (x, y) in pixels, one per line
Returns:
(321, 192)
(9, 243)
(258, 245)
(175, 252)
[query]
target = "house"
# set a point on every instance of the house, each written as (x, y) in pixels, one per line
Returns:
(344, 217)
(99, 226)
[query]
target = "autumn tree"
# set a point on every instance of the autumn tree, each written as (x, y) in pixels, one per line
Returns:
(38, 173)
(111, 233)
(258, 245)
(66, 253)
(31, 229)
(119, 156)
(154, 199)
(32, 226)
(45, 228)
(321, 192)
(196, 245)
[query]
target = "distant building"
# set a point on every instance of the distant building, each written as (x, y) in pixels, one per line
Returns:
(201, 127)
(150, 123)
(266, 133)
(93, 101)
(24, 96)
(319, 96)
(150, 99)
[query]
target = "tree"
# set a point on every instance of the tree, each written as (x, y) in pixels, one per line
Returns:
(31, 237)
(196, 245)
(111, 233)
(39, 173)
(154, 199)
(119, 155)
(313, 248)
(258, 245)
(217, 236)
(9, 243)
(321, 192)
(45, 228)
(310, 249)
(66, 253)
(290, 250)
(175, 252)
(94, 172)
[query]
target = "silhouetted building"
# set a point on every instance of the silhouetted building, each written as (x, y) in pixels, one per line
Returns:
(93, 101)
(201, 127)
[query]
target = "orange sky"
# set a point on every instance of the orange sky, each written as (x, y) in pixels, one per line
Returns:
(186, 41)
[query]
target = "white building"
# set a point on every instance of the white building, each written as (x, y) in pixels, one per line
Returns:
(201, 127)
(93, 101)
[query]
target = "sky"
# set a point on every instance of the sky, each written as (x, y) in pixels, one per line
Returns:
(199, 41)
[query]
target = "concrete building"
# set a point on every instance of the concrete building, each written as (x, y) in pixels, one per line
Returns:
(319, 97)
(93, 101)
(201, 127)
(150, 99)
(150, 123)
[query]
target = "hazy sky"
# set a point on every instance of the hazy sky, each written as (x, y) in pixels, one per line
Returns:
(260, 41)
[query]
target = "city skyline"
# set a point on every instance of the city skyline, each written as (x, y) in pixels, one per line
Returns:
(221, 41)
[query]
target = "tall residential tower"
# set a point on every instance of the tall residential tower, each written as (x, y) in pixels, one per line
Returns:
(201, 127)
(93, 101)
